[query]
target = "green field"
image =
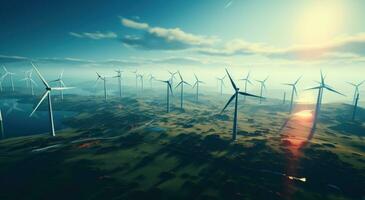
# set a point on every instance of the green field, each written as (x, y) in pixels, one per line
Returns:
(132, 149)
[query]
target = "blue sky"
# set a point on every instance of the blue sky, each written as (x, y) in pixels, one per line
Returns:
(49, 29)
(282, 38)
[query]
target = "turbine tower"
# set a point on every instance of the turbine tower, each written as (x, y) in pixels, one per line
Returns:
(284, 98)
(168, 90)
(262, 86)
(47, 93)
(119, 76)
(320, 88)
(10, 74)
(355, 107)
(2, 126)
(151, 79)
(1, 83)
(196, 84)
(182, 82)
(140, 76)
(104, 81)
(294, 91)
(357, 91)
(136, 77)
(221, 81)
(246, 80)
(60, 83)
(235, 97)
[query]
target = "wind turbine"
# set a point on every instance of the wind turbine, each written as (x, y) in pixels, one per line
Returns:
(2, 126)
(60, 83)
(235, 96)
(294, 91)
(151, 80)
(136, 77)
(1, 83)
(182, 82)
(140, 76)
(196, 84)
(320, 88)
(30, 81)
(26, 75)
(357, 91)
(221, 81)
(119, 76)
(262, 86)
(172, 77)
(104, 80)
(246, 80)
(168, 90)
(10, 74)
(355, 107)
(47, 93)
(12, 108)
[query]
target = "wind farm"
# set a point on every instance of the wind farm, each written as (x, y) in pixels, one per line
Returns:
(182, 100)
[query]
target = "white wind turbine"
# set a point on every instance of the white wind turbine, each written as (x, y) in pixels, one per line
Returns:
(293, 92)
(26, 75)
(119, 76)
(104, 80)
(246, 80)
(30, 82)
(60, 83)
(10, 74)
(47, 93)
(262, 86)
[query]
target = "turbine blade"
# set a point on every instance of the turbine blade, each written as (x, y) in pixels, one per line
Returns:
(186, 83)
(195, 84)
(62, 83)
(232, 82)
(298, 80)
(352, 84)
(196, 78)
(31, 80)
(332, 90)
(250, 95)
(322, 79)
(314, 88)
(39, 103)
(178, 84)
(180, 76)
(361, 83)
(41, 77)
(61, 75)
(170, 88)
(62, 88)
(229, 101)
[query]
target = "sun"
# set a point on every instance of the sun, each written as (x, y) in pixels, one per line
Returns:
(319, 22)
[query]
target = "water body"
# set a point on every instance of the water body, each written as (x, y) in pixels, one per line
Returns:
(18, 123)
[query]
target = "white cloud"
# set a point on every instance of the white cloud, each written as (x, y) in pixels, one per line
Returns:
(95, 35)
(133, 24)
(349, 47)
(163, 38)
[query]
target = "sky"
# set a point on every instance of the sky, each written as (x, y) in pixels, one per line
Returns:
(283, 39)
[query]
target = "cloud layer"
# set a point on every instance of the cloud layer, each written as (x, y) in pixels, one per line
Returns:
(345, 47)
(95, 35)
(158, 38)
